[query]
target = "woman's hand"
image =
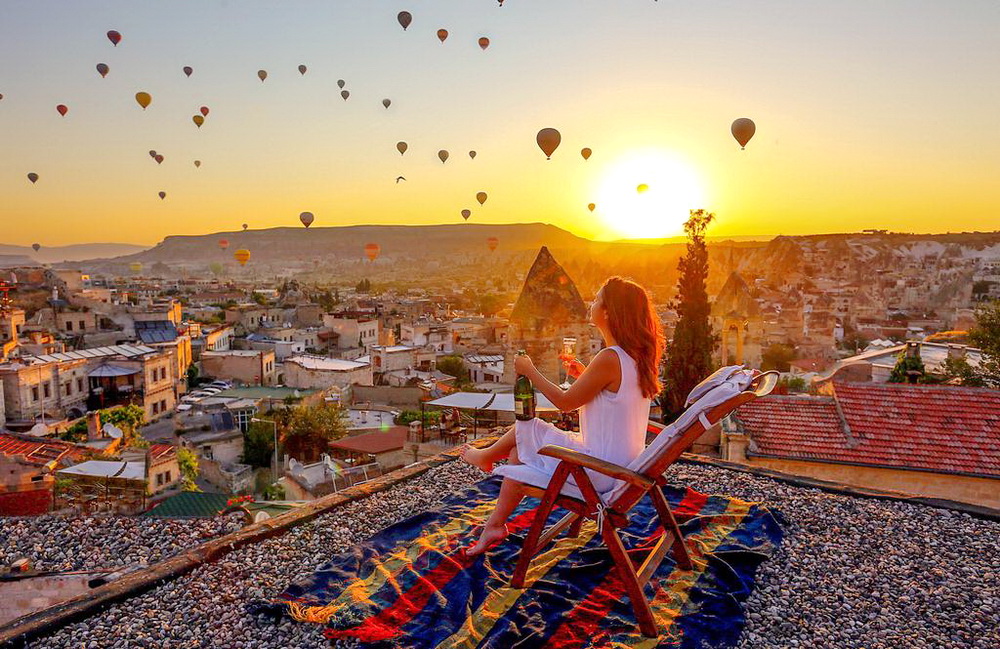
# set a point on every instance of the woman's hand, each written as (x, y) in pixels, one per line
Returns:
(523, 365)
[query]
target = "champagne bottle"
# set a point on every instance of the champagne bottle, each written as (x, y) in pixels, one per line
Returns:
(524, 396)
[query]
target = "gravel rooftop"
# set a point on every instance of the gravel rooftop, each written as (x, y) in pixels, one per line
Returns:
(851, 572)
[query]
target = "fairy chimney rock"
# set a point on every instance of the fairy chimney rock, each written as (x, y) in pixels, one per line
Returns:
(548, 308)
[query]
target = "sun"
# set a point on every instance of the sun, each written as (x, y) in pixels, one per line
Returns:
(648, 194)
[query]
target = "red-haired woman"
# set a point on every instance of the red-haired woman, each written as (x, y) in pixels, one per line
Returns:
(613, 394)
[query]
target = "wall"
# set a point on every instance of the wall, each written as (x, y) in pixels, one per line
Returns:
(407, 397)
(967, 489)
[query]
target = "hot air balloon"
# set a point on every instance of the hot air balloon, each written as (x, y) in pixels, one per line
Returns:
(103, 69)
(591, 206)
(484, 42)
(472, 154)
(242, 256)
(197, 163)
(345, 94)
(162, 195)
(143, 99)
(548, 141)
(743, 129)
(481, 197)
(401, 147)
(198, 120)
(135, 267)
(1, 96)
(152, 153)
(223, 243)
(372, 250)
(36, 247)
(585, 153)
(466, 214)
(114, 37)
(341, 83)
(203, 110)
(386, 102)
(188, 70)
(262, 74)
(492, 243)
(245, 226)
(158, 158)
(302, 69)
(443, 155)
(306, 218)
(33, 177)
(62, 109)
(642, 188)
(442, 35)
(404, 19)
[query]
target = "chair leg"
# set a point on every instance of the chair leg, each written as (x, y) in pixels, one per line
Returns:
(538, 524)
(574, 528)
(670, 526)
(643, 613)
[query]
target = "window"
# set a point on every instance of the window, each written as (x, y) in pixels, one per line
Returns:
(167, 479)
(46, 389)
(83, 325)
(156, 408)
(159, 479)
(69, 325)
(37, 478)
(163, 405)
(79, 384)
(68, 388)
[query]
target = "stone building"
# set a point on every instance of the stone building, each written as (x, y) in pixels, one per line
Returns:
(737, 319)
(319, 372)
(248, 366)
(548, 310)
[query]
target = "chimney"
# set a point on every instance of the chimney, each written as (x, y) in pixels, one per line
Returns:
(913, 350)
(94, 432)
(956, 351)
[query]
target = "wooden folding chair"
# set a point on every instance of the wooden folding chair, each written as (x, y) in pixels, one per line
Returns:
(610, 511)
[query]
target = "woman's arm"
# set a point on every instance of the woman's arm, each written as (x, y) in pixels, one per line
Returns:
(603, 371)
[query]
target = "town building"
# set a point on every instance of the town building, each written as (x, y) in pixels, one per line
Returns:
(927, 440)
(247, 366)
(319, 372)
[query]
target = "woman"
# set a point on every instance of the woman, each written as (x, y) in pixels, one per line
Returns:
(612, 393)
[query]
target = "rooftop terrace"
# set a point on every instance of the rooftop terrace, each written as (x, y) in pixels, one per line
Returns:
(852, 572)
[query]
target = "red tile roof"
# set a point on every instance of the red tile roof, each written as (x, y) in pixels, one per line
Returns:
(161, 453)
(35, 451)
(374, 443)
(926, 427)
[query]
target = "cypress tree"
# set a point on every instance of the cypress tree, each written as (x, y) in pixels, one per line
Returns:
(689, 354)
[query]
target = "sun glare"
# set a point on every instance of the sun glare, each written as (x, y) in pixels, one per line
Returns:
(648, 194)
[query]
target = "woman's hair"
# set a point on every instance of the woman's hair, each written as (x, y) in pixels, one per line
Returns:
(636, 329)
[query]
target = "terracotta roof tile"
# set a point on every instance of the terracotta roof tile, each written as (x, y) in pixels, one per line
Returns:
(929, 427)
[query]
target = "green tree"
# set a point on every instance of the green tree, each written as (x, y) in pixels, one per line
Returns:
(959, 368)
(908, 369)
(304, 433)
(490, 304)
(130, 419)
(188, 463)
(258, 298)
(777, 357)
(986, 336)
(453, 365)
(192, 375)
(689, 355)
(258, 444)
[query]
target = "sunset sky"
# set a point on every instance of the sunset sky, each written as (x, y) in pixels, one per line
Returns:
(869, 115)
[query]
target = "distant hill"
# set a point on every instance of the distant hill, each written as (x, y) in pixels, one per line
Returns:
(76, 252)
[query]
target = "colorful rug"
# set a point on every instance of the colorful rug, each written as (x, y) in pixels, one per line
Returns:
(408, 587)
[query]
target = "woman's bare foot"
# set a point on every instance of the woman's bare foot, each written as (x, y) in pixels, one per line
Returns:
(491, 536)
(476, 457)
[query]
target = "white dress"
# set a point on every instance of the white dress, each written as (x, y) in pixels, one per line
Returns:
(612, 428)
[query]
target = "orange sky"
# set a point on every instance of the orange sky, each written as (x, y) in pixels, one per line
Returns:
(867, 117)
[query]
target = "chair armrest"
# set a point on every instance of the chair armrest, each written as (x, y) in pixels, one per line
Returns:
(601, 466)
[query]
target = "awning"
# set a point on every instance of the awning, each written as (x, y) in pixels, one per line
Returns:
(107, 371)
(503, 402)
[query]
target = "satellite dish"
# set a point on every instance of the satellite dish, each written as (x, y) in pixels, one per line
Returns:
(112, 431)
